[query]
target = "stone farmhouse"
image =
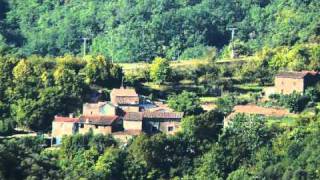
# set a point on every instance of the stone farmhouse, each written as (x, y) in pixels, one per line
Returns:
(153, 122)
(289, 82)
(124, 116)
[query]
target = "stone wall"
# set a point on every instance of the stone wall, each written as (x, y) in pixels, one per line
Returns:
(288, 85)
(90, 109)
(96, 129)
(170, 127)
(62, 128)
(132, 125)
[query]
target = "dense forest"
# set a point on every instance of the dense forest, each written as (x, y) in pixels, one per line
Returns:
(129, 31)
(43, 73)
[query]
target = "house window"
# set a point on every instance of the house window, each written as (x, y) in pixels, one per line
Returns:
(96, 126)
(81, 125)
(282, 82)
(170, 128)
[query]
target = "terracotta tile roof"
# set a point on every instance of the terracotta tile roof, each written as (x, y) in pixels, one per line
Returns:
(293, 74)
(124, 92)
(133, 116)
(98, 120)
(65, 119)
(162, 115)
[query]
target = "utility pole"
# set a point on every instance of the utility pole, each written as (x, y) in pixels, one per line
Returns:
(232, 37)
(112, 48)
(85, 45)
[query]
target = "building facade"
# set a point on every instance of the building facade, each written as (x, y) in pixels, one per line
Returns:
(153, 122)
(126, 99)
(289, 82)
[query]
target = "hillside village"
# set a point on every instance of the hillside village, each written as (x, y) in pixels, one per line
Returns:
(123, 117)
(159, 89)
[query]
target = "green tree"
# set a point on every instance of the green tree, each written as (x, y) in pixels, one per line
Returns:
(206, 126)
(102, 72)
(110, 164)
(160, 70)
(187, 102)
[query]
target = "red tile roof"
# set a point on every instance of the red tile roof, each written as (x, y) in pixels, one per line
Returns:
(65, 119)
(98, 120)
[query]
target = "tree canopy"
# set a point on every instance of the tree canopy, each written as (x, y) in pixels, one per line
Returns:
(127, 31)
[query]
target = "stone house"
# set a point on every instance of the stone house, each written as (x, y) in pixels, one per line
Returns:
(133, 121)
(166, 122)
(64, 126)
(100, 108)
(153, 122)
(126, 99)
(98, 124)
(69, 126)
(288, 82)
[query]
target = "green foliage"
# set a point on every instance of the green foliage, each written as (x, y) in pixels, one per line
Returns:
(194, 52)
(102, 72)
(22, 159)
(160, 70)
(187, 102)
(295, 102)
(132, 31)
(34, 90)
(202, 127)
(236, 147)
(109, 164)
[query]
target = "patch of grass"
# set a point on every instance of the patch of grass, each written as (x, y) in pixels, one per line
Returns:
(287, 121)
(253, 87)
(188, 63)
(208, 99)
(127, 67)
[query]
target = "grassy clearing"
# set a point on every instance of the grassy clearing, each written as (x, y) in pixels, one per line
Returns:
(254, 87)
(127, 67)
(288, 121)
(208, 99)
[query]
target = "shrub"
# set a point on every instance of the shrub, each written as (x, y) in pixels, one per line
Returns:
(194, 52)
(187, 102)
